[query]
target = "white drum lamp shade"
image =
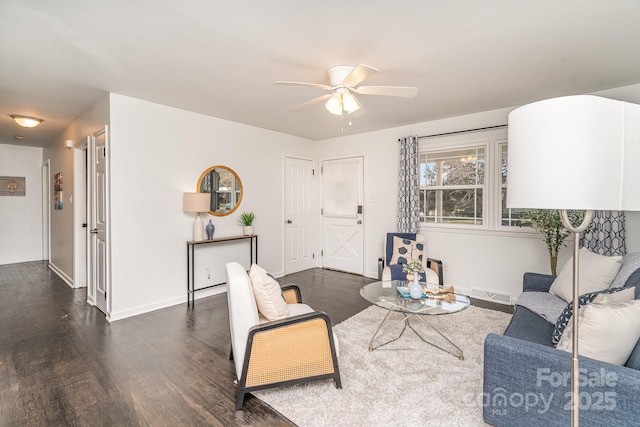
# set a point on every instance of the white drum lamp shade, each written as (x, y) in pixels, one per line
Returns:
(197, 202)
(575, 152)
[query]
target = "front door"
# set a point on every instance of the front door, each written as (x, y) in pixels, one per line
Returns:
(342, 215)
(299, 225)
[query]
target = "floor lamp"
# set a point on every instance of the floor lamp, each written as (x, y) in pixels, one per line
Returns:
(575, 152)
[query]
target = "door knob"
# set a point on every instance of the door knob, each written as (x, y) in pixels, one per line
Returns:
(289, 221)
(359, 221)
(94, 231)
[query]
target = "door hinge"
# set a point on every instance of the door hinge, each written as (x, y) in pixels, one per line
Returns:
(321, 211)
(321, 169)
(313, 171)
(104, 151)
(313, 256)
(322, 252)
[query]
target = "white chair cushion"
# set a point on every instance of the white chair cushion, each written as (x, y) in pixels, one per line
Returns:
(243, 312)
(596, 274)
(268, 294)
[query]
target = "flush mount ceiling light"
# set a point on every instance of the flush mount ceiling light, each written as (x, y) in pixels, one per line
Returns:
(26, 121)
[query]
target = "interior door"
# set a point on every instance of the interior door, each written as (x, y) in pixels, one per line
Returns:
(299, 224)
(99, 226)
(342, 215)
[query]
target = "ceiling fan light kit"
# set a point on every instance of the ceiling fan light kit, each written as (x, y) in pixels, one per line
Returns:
(344, 81)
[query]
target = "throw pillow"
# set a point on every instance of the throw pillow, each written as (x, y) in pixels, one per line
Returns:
(268, 294)
(596, 274)
(630, 263)
(406, 250)
(603, 297)
(606, 332)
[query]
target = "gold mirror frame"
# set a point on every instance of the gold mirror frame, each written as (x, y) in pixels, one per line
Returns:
(233, 193)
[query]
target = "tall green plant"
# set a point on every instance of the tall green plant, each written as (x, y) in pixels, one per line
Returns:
(549, 223)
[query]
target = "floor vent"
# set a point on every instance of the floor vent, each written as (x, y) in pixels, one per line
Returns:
(491, 296)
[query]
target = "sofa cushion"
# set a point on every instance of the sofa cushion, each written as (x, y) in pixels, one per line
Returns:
(268, 294)
(596, 274)
(528, 326)
(606, 332)
(621, 294)
(406, 250)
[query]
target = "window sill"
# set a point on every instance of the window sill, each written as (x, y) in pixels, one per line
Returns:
(517, 232)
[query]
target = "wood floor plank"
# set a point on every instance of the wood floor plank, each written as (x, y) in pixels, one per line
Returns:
(62, 363)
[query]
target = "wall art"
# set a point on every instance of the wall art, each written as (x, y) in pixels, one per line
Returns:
(57, 191)
(13, 186)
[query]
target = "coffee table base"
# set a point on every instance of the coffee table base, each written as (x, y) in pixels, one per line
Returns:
(406, 318)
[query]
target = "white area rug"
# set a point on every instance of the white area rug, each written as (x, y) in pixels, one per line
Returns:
(390, 387)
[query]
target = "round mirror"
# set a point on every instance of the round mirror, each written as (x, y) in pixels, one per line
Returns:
(225, 188)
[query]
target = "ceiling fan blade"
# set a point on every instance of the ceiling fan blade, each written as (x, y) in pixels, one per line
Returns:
(311, 102)
(314, 85)
(358, 75)
(402, 91)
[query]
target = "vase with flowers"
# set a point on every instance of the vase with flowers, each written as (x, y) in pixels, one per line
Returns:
(414, 267)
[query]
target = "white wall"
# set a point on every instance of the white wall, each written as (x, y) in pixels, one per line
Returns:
(21, 217)
(477, 262)
(62, 221)
(157, 154)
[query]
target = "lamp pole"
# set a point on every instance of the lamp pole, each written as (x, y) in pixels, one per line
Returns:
(575, 363)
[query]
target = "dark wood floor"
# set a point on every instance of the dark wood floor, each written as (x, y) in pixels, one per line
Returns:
(61, 363)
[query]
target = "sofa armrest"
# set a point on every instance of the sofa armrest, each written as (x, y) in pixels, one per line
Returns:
(276, 350)
(527, 384)
(291, 294)
(537, 282)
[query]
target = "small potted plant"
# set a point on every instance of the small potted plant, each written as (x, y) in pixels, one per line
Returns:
(246, 220)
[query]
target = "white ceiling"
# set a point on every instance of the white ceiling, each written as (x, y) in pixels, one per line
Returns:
(220, 57)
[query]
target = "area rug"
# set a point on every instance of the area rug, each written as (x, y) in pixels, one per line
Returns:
(393, 387)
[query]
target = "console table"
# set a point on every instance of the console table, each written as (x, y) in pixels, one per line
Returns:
(191, 246)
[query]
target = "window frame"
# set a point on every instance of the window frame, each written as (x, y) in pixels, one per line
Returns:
(492, 142)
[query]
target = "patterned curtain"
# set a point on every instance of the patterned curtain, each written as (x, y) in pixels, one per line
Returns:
(409, 198)
(607, 235)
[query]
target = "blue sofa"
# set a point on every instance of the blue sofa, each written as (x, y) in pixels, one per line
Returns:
(527, 380)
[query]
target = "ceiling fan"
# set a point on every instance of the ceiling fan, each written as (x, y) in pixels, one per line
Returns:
(343, 85)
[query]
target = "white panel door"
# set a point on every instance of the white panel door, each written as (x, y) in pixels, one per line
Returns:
(99, 257)
(299, 229)
(342, 228)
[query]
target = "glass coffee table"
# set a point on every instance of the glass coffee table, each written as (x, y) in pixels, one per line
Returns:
(385, 295)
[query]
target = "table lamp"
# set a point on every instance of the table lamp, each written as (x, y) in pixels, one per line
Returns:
(197, 202)
(575, 152)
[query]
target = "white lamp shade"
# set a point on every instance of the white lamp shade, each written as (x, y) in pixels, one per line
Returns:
(574, 152)
(196, 202)
(334, 104)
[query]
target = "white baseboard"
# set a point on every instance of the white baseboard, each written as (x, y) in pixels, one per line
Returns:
(158, 305)
(61, 274)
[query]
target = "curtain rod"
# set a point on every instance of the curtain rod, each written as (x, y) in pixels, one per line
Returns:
(462, 131)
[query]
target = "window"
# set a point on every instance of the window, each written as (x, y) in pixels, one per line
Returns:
(452, 186)
(509, 217)
(463, 182)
